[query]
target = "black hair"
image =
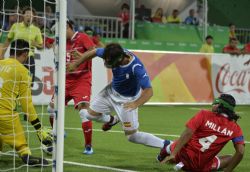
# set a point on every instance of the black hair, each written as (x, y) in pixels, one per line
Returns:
(70, 23)
(125, 5)
(209, 37)
(175, 10)
(28, 8)
(87, 28)
(233, 39)
(18, 47)
(231, 101)
(113, 53)
(231, 24)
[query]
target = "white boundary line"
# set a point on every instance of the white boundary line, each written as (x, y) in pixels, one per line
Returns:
(95, 166)
(65, 162)
(118, 131)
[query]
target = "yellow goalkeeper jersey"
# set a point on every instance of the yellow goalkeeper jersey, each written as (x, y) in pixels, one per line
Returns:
(15, 84)
(28, 33)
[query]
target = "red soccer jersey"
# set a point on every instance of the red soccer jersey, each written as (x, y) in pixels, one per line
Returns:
(211, 133)
(229, 49)
(247, 48)
(80, 42)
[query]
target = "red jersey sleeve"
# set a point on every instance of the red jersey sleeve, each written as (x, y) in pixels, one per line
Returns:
(195, 122)
(87, 42)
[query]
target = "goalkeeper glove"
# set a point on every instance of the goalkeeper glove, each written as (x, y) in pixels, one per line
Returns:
(45, 136)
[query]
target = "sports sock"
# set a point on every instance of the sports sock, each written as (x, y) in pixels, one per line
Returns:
(87, 132)
(146, 139)
(86, 127)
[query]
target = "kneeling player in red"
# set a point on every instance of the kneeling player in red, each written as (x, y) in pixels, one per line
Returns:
(205, 136)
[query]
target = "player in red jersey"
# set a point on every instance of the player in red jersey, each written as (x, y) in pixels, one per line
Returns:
(78, 83)
(205, 135)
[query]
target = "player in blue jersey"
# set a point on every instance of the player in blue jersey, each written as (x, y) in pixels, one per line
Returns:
(129, 89)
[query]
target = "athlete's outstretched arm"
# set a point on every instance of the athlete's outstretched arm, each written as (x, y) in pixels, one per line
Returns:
(237, 157)
(185, 137)
(147, 93)
(81, 58)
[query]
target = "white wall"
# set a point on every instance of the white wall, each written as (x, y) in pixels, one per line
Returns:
(74, 7)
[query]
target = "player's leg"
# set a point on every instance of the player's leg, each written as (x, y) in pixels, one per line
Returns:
(51, 108)
(13, 135)
(130, 123)
(100, 108)
(80, 91)
(221, 162)
(51, 111)
(86, 127)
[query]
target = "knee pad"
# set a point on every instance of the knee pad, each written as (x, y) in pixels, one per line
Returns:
(51, 110)
(84, 115)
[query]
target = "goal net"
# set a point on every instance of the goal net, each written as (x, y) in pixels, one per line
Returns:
(41, 24)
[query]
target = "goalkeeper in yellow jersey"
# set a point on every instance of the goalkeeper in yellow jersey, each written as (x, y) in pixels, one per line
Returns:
(15, 84)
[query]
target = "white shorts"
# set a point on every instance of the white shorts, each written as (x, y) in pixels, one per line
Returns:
(108, 100)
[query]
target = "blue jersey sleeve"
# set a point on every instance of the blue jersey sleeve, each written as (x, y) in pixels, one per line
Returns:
(99, 52)
(142, 76)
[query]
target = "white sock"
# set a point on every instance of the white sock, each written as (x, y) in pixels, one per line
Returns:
(85, 116)
(146, 139)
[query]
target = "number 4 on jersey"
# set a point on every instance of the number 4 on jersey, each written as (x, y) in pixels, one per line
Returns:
(206, 142)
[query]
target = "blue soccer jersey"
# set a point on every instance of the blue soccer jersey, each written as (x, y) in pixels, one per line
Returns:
(128, 79)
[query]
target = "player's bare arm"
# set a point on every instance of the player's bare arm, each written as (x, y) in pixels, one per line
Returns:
(147, 93)
(81, 58)
(237, 157)
(185, 137)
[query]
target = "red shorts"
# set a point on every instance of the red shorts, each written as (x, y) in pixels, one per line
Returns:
(191, 161)
(79, 91)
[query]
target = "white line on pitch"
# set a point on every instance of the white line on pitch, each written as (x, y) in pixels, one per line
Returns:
(117, 131)
(198, 109)
(95, 166)
(10, 153)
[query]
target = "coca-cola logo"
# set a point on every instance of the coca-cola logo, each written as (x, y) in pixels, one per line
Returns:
(229, 79)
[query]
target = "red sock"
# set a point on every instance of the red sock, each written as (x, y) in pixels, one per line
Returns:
(87, 131)
(51, 120)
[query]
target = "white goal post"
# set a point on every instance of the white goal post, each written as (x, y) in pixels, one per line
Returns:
(61, 14)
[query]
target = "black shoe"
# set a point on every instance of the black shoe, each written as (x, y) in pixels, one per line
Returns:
(107, 126)
(34, 161)
(163, 153)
